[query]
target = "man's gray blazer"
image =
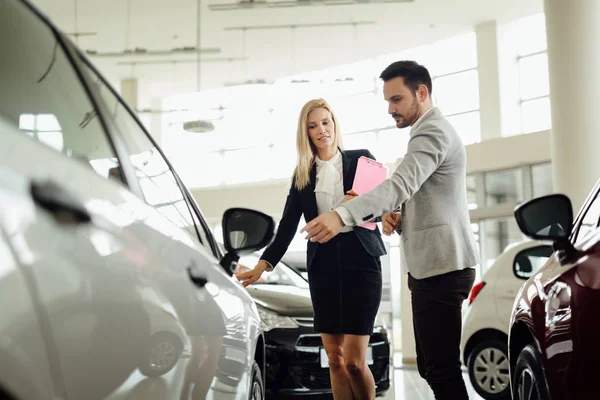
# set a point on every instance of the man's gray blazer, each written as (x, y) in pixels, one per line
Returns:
(430, 184)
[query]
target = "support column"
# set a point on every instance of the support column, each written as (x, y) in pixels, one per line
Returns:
(489, 80)
(573, 29)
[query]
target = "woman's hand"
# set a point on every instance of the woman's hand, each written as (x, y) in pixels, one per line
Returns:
(350, 194)
(253, 275)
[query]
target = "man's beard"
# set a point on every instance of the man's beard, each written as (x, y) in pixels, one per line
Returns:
(411, 116)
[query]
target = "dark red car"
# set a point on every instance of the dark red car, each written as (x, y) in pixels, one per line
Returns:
(554, 339)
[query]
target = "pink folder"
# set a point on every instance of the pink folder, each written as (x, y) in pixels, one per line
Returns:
(369, 174)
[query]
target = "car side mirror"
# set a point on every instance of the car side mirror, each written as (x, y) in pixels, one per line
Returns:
(528, 261)
(244, 231)
(546, 218)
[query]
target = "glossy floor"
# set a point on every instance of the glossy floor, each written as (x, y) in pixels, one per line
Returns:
(408, 385)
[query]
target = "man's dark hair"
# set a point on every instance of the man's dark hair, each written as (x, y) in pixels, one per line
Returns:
(413, 74)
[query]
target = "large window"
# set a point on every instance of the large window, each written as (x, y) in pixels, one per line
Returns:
(255, 125)
(492, 196)
(533, 74)
(503, 187)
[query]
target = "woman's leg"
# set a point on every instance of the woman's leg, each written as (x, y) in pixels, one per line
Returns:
(361, 378)
(340, 382)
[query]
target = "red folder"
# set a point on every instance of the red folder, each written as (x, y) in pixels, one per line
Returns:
(369, 174)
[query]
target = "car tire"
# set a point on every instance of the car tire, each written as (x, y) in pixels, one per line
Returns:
(257, 388)
(488, 370)
(164, 351)
(529, 382)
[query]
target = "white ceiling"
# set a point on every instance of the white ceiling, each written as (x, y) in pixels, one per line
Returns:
(162, 25)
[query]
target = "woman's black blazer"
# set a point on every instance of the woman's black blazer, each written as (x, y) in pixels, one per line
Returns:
(304, 202)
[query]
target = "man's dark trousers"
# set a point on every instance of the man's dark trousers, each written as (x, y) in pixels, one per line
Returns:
(437, 322)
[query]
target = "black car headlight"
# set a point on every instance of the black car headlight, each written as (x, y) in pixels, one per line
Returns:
(271, 320)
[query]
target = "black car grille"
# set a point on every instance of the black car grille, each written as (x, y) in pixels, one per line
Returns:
(313, 378)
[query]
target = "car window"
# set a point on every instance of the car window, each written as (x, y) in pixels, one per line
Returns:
(529, 261)
(589, 220)
(44, 97)
(158, 183)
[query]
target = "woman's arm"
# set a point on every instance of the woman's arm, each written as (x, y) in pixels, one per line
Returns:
(287, 228)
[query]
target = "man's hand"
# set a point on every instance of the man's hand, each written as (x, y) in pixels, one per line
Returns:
(391, 222)
(323, 228)
(253, 275)
(350, 194)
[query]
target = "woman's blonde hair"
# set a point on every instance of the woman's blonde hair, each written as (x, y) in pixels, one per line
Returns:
(305, 147)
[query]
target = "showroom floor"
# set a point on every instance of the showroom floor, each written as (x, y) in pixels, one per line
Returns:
(408, 385)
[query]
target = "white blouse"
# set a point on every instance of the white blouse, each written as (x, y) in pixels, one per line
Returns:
(329, 186)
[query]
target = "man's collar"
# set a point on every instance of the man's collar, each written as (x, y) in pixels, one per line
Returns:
(412, 128)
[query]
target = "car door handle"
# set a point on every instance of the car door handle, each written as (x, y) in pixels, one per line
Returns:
(198, 280)
(63, 205)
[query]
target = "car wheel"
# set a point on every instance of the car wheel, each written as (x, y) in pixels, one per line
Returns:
(488, 370)
(529, 382)
(257, 390)
(164, 352)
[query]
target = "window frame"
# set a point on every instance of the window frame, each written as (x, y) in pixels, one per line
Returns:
(73, 58)
(123, 155)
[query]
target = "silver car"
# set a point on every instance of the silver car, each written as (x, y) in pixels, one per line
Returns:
(112, 286)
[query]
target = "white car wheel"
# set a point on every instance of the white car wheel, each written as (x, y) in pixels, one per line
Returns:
(488, 370)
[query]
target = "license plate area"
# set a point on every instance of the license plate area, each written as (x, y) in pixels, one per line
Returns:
(325, 359)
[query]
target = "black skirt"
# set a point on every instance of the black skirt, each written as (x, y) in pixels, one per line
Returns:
(345, 286)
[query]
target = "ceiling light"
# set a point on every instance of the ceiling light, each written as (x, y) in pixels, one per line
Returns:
(198, 126)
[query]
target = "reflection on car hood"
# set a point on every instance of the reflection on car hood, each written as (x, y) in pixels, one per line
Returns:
(283, 299)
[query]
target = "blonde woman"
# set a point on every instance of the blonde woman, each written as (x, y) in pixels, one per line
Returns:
(345, 273)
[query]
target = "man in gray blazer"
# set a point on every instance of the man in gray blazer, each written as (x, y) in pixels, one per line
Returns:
(429, 185)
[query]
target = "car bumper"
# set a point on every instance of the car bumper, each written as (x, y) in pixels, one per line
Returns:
(294, 364)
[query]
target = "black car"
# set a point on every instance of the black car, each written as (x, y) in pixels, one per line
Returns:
(296, 363)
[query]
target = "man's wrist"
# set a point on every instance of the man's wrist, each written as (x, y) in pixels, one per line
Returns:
(345, 216)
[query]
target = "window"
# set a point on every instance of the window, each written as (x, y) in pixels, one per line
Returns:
(259, 118)
(535, 115)
(498, 233)
(467, 125)
(43, 96)
(533, 74)
(541, 179)
(504, 187)
(247, 165)
(472, 191)
(529, 261)
(531, 34)
(457, 93)
(534, 82)
(364, 140)
(157, 181)
(392, 144)
(589, 221)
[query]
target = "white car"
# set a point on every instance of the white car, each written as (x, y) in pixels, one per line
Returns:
(111, 284)
(487, 317)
